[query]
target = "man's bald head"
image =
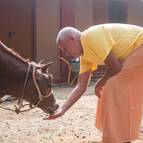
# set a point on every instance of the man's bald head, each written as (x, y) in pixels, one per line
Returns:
(68, 40)
(67, 33)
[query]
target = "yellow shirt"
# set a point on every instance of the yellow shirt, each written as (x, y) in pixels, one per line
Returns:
(99, 40)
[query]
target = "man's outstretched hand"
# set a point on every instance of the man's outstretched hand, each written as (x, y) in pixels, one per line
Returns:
(58, 113)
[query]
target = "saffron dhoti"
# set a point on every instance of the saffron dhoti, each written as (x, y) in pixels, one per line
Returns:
(119, 111)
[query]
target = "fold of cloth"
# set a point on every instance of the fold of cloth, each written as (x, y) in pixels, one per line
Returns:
(119, 110)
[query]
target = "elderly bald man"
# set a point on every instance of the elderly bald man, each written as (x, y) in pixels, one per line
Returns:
(120, 48)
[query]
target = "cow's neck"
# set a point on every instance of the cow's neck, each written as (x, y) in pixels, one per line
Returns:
(13, 70)
(11, 64)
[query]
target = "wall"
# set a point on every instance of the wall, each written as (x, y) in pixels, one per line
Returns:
(91, 12)
(135, 12)
(83, 13)
(47, 13)
(101, 11)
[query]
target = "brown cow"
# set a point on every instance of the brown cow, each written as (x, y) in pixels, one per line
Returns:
(27, 80)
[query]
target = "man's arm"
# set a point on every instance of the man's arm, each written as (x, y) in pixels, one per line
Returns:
(76, 93)
(113, 66)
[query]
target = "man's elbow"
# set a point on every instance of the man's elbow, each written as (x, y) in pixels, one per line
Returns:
(82, 88)
(116, 70)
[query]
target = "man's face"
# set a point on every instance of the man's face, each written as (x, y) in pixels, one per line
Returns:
(71, 48)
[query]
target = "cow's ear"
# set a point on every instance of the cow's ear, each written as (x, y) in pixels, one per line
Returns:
(45, 67)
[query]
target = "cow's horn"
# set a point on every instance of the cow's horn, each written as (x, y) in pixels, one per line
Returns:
(41, 62)
(45, 67)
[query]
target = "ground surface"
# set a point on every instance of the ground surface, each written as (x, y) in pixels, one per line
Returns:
(76, 126)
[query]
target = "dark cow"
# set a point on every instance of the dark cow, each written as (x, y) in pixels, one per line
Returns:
(25, 80)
